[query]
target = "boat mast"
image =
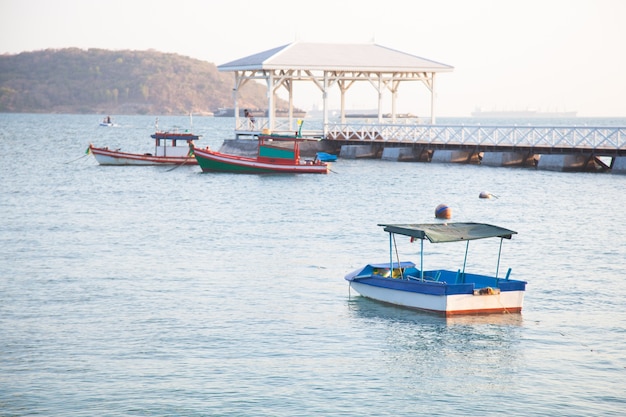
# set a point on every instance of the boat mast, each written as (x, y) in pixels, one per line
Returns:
(156, 139)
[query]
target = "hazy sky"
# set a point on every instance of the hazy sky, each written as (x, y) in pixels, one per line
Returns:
(507, 55)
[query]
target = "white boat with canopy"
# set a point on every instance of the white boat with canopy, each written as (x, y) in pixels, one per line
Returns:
(444, 291)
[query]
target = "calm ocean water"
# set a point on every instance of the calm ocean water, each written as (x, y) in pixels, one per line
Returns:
(147, 291)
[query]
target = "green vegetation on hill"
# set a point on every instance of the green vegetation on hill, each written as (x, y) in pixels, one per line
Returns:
(117, 82)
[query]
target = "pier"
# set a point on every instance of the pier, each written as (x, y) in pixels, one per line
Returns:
(558, 148)
(336, 68)
(547, 147)
(600, 141)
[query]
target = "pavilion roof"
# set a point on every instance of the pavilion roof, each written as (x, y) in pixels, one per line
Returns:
(368, 57)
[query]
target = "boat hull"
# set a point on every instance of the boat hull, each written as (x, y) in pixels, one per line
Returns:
(450, 304)
(211, 161)
(439, 291)
(111, 157)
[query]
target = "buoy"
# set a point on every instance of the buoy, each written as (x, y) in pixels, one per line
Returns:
(443, 212)
(486, 194)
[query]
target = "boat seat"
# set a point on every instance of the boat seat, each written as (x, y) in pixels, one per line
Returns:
(427, 278)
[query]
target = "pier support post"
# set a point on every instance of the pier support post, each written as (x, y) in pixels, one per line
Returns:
(458, 157)
(563, 162)
(357, 151)
(619, 165)
(503, 159)
(400, 154)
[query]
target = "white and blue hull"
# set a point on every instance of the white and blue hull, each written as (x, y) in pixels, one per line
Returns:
(441, 291)
(501, 302)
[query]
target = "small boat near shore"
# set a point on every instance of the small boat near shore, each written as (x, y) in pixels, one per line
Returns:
(170, 148)
(325, 157)
(107, 122)
(449, 292)
(276, 154)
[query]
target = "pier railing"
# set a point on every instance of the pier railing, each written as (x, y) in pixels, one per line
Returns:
(246, 126)
(599, 140)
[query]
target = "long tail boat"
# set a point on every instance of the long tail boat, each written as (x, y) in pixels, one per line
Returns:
(276, 154)
(170, 148)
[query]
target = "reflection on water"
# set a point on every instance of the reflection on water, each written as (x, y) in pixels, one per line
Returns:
(463, 353)
(367, 308)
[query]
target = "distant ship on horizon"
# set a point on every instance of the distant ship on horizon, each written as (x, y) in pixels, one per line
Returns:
(529, 113)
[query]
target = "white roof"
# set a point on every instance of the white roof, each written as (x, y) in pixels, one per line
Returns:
(335, 57)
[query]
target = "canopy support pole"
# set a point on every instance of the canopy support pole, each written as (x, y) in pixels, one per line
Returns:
(499, 253)
(422, 259)
(397, 258)
(391, 251)
(465, 260)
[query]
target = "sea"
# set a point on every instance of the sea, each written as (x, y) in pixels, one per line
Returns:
(165, 291)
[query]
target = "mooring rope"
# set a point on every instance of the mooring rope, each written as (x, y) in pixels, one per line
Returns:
(179, 165)
(74, 160)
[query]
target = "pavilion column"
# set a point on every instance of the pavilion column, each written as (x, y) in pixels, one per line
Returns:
(432, 99)
(291, 105)
(343, 103)
(325, 103)
(270, 101)
(235, 99)
(380, 98)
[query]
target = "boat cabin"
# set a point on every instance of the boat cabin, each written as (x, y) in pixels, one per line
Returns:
(279, 149)
(172, 144)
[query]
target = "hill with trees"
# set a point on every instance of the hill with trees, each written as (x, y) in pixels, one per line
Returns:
(74, 80)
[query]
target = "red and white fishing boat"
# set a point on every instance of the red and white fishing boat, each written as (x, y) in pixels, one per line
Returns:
(170, 148)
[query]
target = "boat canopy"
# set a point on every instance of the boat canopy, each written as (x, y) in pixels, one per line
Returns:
(449, 232)
(175, 136)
